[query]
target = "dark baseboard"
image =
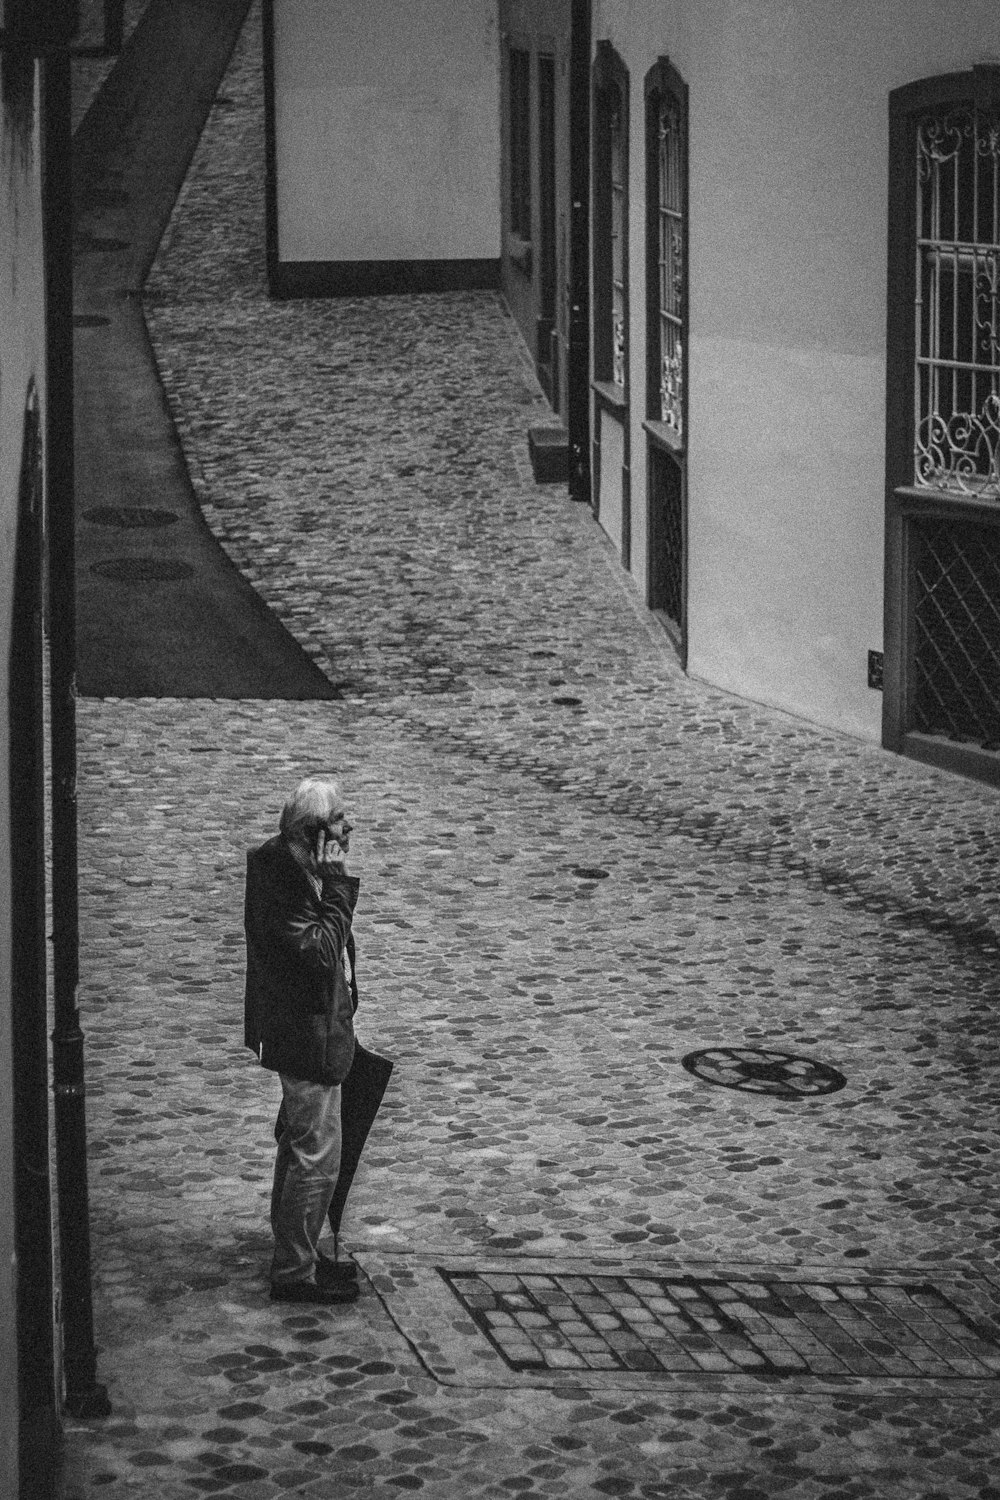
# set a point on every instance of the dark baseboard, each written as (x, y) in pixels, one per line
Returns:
(953, 755)
(374, 278)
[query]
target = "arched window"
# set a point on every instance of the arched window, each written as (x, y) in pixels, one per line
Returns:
(666, 346)
(942, 648)
(666, 241)
(610, 218)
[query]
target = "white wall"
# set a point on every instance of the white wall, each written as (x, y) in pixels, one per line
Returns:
(788, 181)
(21, 357)
(387, 130)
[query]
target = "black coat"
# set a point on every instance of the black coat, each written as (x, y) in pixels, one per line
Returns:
(299, 1007)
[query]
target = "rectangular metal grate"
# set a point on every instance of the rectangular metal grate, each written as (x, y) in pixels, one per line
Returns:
(725, 1325)
(957, 631)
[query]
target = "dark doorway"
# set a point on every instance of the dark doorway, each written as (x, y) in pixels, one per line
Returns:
(547, 354)
(666, 541)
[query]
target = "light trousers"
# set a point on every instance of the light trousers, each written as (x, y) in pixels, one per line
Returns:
(305, 1174)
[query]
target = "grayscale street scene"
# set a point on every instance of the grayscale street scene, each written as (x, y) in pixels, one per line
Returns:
(684, 1182)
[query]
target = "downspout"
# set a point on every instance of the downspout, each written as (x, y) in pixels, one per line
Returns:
(114, 26)
(578, 359)
(84, 1396)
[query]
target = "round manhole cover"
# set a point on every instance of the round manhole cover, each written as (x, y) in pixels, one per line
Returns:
(752, 1070)
(129, 517)
(142, 569)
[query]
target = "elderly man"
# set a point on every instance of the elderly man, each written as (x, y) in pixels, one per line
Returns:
(301, 995)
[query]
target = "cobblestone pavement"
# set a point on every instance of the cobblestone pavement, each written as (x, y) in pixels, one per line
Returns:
(587, 1270)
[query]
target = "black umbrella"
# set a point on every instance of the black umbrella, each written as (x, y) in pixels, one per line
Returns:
(360, 1096)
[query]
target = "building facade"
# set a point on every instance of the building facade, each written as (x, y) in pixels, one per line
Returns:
(47, 1358)
(28, 1409)
(535, 183)
(383, 150)
(774, 187)
(777, 226)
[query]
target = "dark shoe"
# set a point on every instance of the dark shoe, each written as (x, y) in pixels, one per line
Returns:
(311, 1291)
(335, 1272)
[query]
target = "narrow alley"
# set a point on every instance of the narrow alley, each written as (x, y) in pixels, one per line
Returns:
(587, 1269)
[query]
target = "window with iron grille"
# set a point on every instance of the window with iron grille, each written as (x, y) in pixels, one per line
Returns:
(942, 645)
(666, 325)
(519, 79)
(618, 166)
(666, 239)
(610, 218)
(957, 386)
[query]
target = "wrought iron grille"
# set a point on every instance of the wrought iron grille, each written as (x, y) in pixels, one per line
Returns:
(666, 517)
(619, 210)
(957, 387)
(671, 269)
(957, 631)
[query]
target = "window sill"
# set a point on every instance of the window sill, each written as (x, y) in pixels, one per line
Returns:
(664, 437)
(611, 397)
(916, 498)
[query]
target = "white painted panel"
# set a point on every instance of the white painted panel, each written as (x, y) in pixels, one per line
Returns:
(785, 527)
(387, 130)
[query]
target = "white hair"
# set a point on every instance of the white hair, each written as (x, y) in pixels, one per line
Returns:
(311, 803)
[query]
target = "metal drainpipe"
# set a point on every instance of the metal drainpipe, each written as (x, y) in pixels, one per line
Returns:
(578, 372)
(85, 1397)
(114, 25)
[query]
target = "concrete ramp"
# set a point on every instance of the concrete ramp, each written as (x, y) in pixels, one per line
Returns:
(161, 611)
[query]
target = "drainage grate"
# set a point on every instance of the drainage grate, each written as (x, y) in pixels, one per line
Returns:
(142, 569)
(683, 1324)
(129, 517)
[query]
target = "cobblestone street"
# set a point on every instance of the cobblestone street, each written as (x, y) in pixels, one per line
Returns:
(587, 1270)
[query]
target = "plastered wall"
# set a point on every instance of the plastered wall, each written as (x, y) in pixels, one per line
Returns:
(387, 130)
(21, 358)
(788, 180)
